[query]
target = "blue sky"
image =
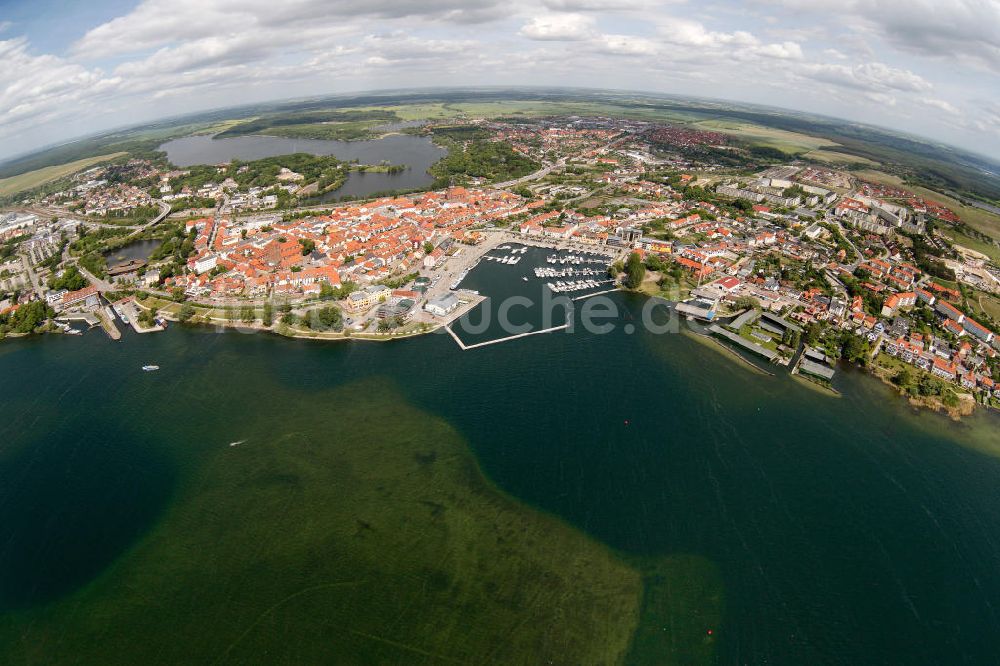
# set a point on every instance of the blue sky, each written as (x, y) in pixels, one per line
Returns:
(53, 25)
(930, 67)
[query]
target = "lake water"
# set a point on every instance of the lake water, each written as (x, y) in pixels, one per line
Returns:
(137, 251)
(248, 499)
(415, 152)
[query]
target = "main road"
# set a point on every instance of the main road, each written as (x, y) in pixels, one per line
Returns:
(541, 173)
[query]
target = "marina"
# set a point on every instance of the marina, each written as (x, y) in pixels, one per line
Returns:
(577, 259)
(567, 272)
(561, 287)
(540, 266)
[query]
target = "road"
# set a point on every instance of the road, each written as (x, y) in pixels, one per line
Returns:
(541, 173)
(164, 211)
(32, 276)
(102, 285)
(854, 247)
(546, 170)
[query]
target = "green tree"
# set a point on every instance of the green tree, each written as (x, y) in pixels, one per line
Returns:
(635, 271)
(186, 312)
(308, 245)
(428, 247)
(30, 316)
(791, 338)
(148, 317)
(855, 349)
(326, 319)
(71, 279)
(904, 379)
(654, 263)
(814, 331)
(268, 314)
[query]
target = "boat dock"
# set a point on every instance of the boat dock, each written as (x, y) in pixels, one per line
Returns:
(598, 293)
(131, 312)
(108, 323)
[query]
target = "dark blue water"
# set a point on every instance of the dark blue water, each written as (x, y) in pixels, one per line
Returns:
(847, 530)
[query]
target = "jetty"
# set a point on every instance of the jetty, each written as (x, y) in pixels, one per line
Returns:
(107, 319)
(465, 347)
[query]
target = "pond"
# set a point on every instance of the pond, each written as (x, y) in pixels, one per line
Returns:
(139, 250)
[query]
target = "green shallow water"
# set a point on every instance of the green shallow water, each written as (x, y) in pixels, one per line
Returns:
(642, 491)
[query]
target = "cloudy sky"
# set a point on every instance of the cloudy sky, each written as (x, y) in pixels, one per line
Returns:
(931, 67)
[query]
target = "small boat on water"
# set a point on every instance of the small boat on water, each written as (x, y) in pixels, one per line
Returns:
(150, 368)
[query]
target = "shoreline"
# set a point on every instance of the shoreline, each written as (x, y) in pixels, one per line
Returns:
(966, 407)
(808, 382)
(930, 403)
(730, 352)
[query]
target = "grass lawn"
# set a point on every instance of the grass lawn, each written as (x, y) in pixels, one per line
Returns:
(32, 179)
(765, 340)
(984, 302)
(990, 250)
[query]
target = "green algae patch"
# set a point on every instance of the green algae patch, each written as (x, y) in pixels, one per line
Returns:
(363, 533)
(682, 607)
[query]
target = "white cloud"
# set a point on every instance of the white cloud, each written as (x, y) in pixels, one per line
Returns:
(963, 30)
(941, 104)
(783, 51)
(874, 77)
(685, 32)
(597, 5)
(858, 58)
(626, 45)
(155, 23)
(558, 27)
(37, 89)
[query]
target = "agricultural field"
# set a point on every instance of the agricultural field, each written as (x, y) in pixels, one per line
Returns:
(791, 143)
(415, 111)
(834, 157)
(549, 108)
(32, 179)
